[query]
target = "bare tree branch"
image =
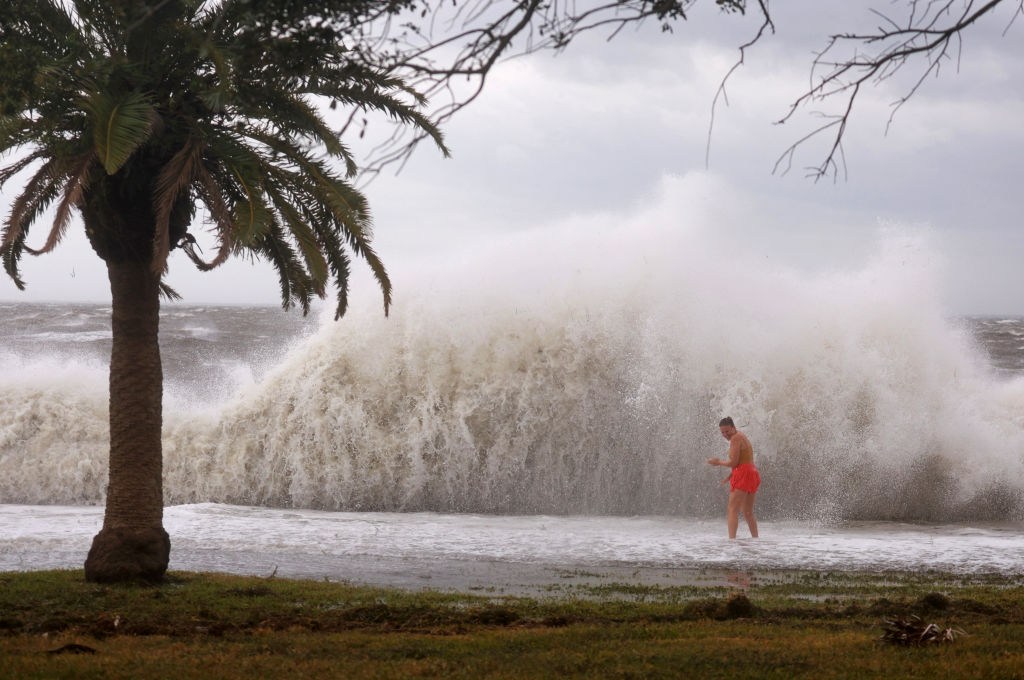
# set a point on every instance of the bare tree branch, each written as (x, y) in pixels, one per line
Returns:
(931, 32)
(447, 49)
(450, 57)
(766, 25)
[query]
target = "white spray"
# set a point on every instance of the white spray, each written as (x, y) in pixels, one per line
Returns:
(583, 370)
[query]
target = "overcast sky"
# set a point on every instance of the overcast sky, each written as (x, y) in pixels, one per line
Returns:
(606, 129)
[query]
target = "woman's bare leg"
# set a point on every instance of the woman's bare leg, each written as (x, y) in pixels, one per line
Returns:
(748, 512)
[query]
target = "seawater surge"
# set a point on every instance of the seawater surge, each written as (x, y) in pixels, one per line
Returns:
(580, 372)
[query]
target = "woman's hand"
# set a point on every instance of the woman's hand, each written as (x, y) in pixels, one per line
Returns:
(714, 461)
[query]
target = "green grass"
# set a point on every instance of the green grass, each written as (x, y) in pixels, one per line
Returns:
(782, 625)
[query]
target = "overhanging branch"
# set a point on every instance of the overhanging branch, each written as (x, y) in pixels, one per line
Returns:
(932, 31)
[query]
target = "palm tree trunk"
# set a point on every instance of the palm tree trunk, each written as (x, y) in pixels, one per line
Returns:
(133, 545)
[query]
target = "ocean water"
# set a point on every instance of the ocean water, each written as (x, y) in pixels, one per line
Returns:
(557, 417)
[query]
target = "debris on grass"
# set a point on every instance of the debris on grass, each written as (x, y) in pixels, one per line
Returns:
(73, 648)
(913, 632)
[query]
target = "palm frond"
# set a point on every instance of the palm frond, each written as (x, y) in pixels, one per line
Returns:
(913, 632)
(241, 181)
(198, 101)
(11, 254)
(347, 205)
(252, 217)
(344, 216)
(121, 124)
(73, 190)
(39, 192)
(13, 132)
(309, 245)
(338, 261)
(349, 208)
(174, 179)
(39, 19)
(379, 273)
(168, 293)
(17, 166)
(102, 21)
(33, 35)
(296, 286)
(295, 118)
(217, 97)
(340, 265)
(373, 99)
(210, 193)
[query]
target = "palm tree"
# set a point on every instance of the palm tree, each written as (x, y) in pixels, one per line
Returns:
(145, 115)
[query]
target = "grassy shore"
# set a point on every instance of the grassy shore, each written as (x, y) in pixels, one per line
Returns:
(767, 625)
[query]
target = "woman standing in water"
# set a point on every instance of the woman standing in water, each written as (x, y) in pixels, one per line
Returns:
(743, 481)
